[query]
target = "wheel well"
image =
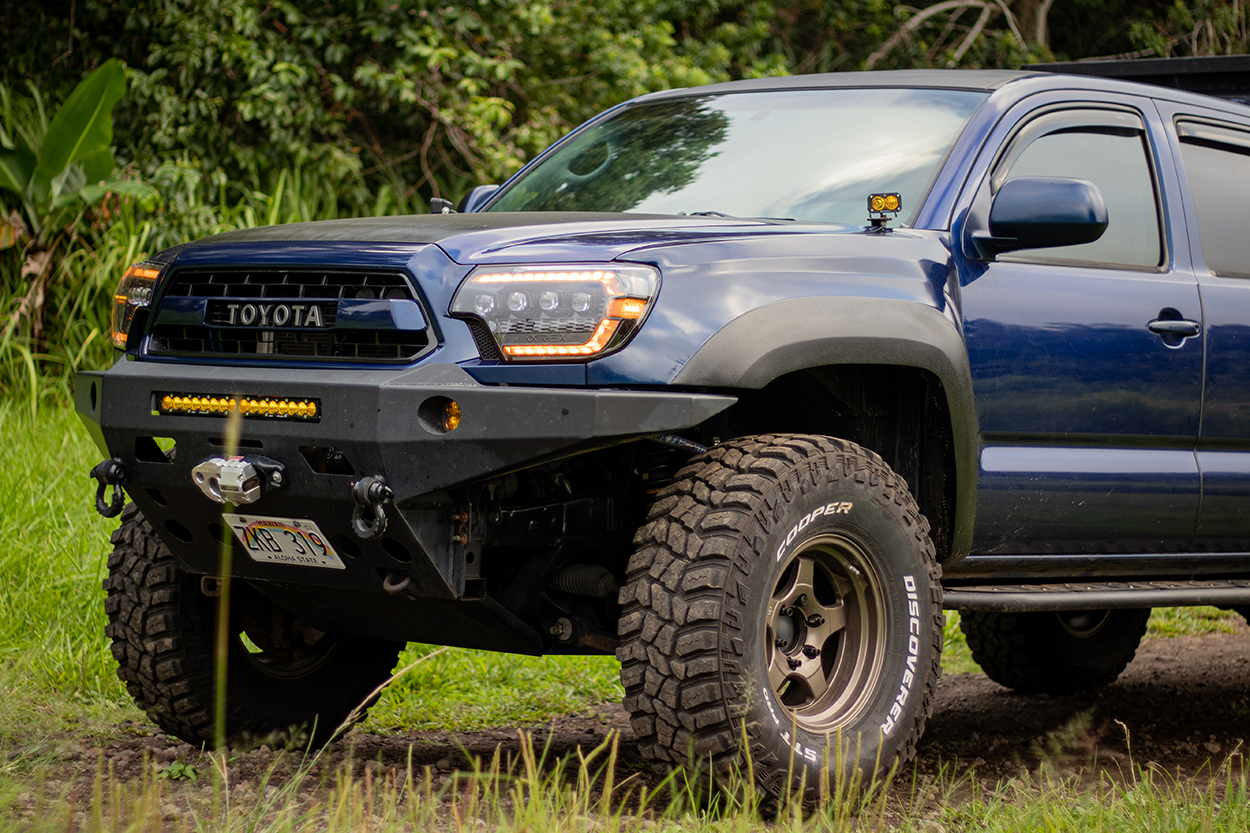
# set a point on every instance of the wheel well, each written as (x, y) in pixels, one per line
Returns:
(900, 413)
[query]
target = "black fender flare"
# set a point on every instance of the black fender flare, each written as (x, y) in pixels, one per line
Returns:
(802, 333)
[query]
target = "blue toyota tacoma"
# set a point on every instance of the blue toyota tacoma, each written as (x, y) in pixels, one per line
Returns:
(743, 384)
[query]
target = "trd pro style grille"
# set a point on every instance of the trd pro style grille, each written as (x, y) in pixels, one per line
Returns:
(308, 314)
(284, 283)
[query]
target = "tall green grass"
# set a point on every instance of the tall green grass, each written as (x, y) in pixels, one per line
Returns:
(594, 791)
(53, 654)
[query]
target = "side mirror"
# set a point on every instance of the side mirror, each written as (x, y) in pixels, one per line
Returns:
(1037, 212)
(474, 200)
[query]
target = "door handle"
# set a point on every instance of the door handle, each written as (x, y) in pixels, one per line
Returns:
(1170, 327)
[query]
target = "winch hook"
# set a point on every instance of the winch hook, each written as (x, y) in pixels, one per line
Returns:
(372, 493)
(109, 473)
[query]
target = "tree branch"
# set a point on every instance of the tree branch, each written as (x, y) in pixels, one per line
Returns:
(986, 12)
(1011, 23)
(1040, 33)
(912, 25)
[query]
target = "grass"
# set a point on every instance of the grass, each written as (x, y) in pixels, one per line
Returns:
(590, 792)
(57, 678)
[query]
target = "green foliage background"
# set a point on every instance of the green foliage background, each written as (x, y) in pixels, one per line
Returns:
(396, 101)
(243, 112)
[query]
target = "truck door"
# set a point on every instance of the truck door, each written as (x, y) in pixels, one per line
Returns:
(1088, 406)
(1216, 156)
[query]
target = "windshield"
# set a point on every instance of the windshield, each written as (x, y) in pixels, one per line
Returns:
(811, 155)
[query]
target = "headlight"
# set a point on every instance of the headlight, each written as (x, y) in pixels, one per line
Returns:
(134, 291)
(546, 312)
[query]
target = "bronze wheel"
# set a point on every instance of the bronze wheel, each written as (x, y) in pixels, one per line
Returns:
(824, 630)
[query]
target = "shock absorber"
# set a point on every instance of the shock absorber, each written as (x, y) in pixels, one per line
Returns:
(657, 466)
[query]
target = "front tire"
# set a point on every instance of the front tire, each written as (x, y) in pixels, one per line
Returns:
(784, 603)
(298, 690)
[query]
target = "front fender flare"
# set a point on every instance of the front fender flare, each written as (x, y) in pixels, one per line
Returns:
(802, 333)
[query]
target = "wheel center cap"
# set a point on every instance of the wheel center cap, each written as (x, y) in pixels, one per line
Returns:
(787, 632)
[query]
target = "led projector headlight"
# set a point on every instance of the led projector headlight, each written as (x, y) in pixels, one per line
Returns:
(558, 312)
(134, 291)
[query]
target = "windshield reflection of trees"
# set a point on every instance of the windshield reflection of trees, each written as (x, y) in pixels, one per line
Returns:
(655, 149)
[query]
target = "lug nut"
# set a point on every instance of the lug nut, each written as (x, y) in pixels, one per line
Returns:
(793, 663)
(815, 621)
(802, 600)
(811, 651)
(780, 643)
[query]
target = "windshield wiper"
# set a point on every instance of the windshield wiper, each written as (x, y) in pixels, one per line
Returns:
(731, 216)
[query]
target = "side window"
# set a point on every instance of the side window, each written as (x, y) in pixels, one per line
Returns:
(1217, 159)
(1107, 148)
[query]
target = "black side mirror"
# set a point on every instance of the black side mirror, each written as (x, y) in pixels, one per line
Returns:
(1037, 212)
(474, 200)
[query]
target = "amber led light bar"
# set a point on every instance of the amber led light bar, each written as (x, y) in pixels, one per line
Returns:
(250, 406)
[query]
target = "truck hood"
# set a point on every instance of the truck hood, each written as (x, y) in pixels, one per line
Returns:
(505, 237)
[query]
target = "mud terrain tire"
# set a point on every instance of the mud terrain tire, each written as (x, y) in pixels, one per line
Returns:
(763, 547)
(1054, 653)
(161, 625)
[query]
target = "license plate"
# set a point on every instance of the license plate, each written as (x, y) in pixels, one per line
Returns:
(284, 541)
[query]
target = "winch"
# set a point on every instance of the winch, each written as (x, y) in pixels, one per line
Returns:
(237, 480)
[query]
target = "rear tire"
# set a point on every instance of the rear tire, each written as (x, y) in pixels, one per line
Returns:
(784, 603)
(298, 692)
(1054, 653)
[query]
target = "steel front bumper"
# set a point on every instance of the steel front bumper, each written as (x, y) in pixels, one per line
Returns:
(376, 422)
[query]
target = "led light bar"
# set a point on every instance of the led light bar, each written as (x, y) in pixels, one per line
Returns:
(248, 406)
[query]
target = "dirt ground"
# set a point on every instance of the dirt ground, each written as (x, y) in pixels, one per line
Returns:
(1183, 705)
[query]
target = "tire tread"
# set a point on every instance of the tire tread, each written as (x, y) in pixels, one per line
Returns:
(678, 706)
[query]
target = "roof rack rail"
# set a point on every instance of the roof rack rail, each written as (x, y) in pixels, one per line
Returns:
(1223, 76)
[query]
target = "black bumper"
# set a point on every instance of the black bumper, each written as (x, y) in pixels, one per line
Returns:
(374, 420)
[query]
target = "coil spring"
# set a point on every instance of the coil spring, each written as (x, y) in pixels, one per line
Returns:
(656, 468)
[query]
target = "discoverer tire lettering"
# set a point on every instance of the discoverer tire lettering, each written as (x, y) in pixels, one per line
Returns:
(784, 591)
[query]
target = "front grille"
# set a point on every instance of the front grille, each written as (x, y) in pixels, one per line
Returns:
(296, 314)
(287, 283)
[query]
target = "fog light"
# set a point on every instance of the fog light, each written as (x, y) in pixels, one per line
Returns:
(451, 415)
